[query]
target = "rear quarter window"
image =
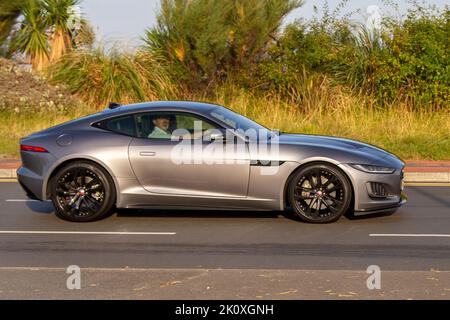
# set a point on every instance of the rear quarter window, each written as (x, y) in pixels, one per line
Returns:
(123, 125)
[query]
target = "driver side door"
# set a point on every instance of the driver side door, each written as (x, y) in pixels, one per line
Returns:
(162, 165)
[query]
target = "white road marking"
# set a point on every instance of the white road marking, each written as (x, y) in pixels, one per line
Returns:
(89, 232)
(21, 200)
(409, 235)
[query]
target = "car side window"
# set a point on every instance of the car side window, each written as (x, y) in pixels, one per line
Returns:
(168, 125)
(123, 125)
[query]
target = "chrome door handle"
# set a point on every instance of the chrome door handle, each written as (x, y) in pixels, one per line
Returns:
(147, 154)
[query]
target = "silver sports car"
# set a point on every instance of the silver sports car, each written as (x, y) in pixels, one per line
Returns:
(202, 156)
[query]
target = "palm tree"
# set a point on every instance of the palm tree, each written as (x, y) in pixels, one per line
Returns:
(31, 39)
(9, 12)
(46, 30)
(58, 16)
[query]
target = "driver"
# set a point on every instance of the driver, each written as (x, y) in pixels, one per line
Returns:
(161, 130)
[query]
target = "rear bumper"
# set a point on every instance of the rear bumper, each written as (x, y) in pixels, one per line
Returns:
(30, 183)
(28, 192)
(32, 174)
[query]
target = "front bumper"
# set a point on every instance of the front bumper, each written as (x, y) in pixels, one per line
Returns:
(364, 201)
(393, 208)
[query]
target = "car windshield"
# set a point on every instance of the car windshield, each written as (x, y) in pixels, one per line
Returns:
(235, 120)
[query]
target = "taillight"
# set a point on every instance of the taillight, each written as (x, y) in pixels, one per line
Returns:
(32, 148)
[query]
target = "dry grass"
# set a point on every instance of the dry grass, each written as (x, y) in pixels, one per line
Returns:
(409, 134)
(98, 77)
(14, 126)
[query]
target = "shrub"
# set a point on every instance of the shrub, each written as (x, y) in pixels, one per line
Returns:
(414, 65)
(98, 77)
(406, 61)
(208, 40)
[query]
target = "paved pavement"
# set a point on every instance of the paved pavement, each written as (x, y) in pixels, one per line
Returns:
(225, 255)
(229, 284)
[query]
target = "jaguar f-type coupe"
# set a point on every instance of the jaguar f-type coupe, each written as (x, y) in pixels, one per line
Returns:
(190, 155)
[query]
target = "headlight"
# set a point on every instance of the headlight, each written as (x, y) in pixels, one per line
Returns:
(372, 169)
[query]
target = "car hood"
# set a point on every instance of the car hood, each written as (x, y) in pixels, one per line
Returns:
(341, 144)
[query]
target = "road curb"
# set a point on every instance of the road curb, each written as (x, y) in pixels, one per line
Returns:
(435, 177)
(410, 176)
(8, 174)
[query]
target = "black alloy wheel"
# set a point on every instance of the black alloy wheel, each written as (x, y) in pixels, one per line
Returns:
(320, 193)
(82, 192)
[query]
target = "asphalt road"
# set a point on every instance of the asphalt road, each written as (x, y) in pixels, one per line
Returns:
(225, 254)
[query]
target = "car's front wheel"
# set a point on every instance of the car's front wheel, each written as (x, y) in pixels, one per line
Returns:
(319, 193)
(82, 191)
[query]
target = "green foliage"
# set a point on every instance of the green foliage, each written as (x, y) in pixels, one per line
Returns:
(307, 48)
(99, 77)
(45, 31)
(405, 61)
(203, 44)
(338, 49)
(208, 40)
(9, 12)
(58, 14)
(300, 49)
(415, 63)
(327, 75)
(31, 38)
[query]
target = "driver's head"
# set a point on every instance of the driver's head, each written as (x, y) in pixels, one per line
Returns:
(162, 122)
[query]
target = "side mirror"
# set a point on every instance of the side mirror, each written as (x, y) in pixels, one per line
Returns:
(215, 136)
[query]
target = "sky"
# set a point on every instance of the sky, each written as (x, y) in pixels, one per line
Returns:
(124, 21)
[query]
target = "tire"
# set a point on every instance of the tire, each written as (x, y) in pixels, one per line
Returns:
(321, 200)
(82, 191)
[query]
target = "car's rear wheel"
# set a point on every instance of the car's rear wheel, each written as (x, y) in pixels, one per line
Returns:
(319, 193)
(82, 191)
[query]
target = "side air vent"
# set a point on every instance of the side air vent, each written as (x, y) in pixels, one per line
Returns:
(377, 190)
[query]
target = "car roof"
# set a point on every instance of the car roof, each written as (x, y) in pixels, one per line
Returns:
(187, 106)
(179, 105)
